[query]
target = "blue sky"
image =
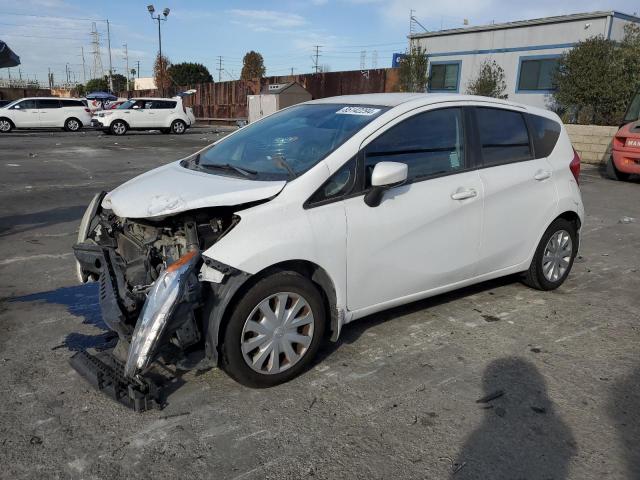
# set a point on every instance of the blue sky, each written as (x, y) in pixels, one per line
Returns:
(50, 33)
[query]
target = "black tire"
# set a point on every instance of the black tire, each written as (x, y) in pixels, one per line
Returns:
(232, 359)
(534, 277)
(614, 174)
(6, 125)
(118, 127)
(72, 124)
(178, 127)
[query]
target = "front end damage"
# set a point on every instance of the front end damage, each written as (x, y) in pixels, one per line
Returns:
(156, 292)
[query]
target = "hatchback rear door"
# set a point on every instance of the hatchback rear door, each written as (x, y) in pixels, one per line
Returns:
(520, 197)
(425, 234)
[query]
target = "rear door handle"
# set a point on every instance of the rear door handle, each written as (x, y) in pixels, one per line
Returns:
(462, 194)
(542, 175)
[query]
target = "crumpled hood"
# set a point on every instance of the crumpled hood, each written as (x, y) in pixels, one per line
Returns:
(172, 189)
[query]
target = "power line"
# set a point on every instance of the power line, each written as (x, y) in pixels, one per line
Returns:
(54, 16)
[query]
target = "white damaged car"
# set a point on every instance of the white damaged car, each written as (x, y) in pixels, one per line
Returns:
(248, 253)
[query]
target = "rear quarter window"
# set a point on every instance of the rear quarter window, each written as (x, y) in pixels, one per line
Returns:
(163, 105)
(72, 103)
(545, 133)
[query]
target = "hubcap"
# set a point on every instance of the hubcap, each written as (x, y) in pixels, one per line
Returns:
(277, 333)
(5, 126)
(557, 256)
(73, 125)
(118, 128)
(178, 127)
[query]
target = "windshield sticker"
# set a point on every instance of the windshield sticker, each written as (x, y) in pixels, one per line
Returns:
(367, 111)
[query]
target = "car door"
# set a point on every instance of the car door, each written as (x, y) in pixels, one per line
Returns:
(25, 114)
(50, 112)
(519, 195)
(425, 234)
(160, 111)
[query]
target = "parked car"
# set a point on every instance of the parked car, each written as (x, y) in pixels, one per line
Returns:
(625, 153)
(4, 103)
(164, 114)
(45, 112)
(254, 248)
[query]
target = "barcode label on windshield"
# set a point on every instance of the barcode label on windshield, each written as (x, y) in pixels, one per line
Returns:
(358, 111)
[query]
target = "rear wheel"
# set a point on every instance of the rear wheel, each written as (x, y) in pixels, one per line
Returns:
(178, 127)
(274, 331)
(72, 125)
(554, 256)
(5, 125)
(615, 174)
(118, 127)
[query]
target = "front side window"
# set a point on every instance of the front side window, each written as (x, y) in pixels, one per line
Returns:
(338, 185)
(444, 77)
(26, 105)
(536, 74)
(288, 143)
(49, 103)
(504, 137)
(430, 143)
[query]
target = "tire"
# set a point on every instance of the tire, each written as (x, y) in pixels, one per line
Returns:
(239, 331)
(5, 125)
(613, 173)
(546, 269)
(118, 127)
(72, 125)
(178, 127)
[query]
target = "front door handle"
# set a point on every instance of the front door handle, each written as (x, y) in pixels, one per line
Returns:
(462, 194)
(542, 175)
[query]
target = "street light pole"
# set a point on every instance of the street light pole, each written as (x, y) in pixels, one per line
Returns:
(160, 18)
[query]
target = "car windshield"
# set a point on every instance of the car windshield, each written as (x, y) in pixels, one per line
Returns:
(287, 143)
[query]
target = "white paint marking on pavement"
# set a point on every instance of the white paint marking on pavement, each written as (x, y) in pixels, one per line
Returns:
(577, 334)
(8, 261)
(13, 165)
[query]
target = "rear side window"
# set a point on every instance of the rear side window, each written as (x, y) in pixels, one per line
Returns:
(163, 105)
(49, 103)
(430, 143)
(503, 136)
(545, 133)
(72, 103)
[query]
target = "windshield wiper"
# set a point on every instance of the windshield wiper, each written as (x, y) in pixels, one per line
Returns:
(282, 162)
(227, 166)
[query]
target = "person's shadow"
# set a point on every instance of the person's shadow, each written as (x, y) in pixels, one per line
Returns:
(521, 436)
(624, 408)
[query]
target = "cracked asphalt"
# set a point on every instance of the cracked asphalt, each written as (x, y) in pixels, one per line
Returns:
(395, 398)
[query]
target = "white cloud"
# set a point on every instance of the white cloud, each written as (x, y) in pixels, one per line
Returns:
(268, 19)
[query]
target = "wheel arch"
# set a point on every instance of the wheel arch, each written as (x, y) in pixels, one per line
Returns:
(216, 315)
(569, 215)
(13, 125)
(71, 117)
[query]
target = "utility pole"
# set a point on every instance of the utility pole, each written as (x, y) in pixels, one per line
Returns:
(110, 66)
(159, 18)
(126, 57)
(84, 69)
(138, 69)
(316, 66)
(292, 71)
(219, 68)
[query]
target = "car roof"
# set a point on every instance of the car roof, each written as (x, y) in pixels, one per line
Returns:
(395, 99)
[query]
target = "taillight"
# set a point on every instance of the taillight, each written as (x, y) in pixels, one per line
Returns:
(574, 166)
(87, 110)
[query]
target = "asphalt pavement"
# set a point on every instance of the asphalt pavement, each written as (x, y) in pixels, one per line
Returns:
(397, 397)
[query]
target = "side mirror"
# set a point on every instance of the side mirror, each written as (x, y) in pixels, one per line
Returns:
(384, 176)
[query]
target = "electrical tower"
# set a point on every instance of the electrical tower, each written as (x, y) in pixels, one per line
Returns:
(98, 71)
(363, 59)
(374, 59)
(314, 58)
(220, 69)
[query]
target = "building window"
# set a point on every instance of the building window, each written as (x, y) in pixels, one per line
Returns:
(536, 73)
(444, 76)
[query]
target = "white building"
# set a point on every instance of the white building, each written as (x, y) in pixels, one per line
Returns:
(527, 50)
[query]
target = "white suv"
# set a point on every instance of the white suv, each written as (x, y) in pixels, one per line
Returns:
(69, 113)
(322, 213)
(164, 114)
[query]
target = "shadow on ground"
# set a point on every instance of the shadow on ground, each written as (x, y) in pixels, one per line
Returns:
(13, 224)
(521, 435)
(624, 409)
(81, 301)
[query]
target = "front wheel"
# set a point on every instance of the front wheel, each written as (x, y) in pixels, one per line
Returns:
(274, 331)
(178, 127)
(72, 125)
(613, 173)
(554, 256)
(5, 125)
(118, 127)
